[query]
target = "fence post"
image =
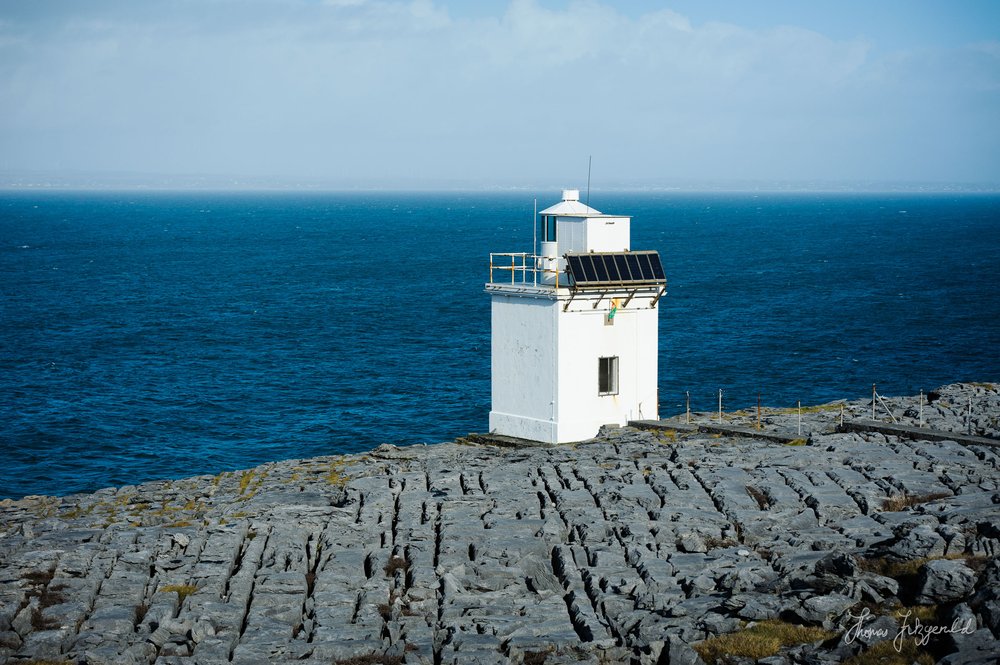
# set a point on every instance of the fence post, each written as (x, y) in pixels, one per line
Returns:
(720, 406)
(800, 417)
(874, 397)
(921, 407)
(687, 394)
(970, 415)
(758, 410)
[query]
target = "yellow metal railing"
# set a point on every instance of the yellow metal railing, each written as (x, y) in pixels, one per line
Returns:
(532, 268)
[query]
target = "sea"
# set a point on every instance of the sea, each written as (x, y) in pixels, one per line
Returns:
(155, 335)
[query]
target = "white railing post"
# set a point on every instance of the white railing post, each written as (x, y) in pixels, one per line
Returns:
(758, 410)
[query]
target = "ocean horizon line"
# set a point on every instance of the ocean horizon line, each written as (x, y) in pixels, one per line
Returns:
(10, 183)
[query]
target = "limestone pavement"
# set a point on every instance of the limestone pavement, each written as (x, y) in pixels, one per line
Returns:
(633, 547)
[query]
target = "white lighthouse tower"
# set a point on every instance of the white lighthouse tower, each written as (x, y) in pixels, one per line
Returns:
(574, 328)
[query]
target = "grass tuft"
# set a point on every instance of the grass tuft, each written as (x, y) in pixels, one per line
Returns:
(245, 479)
(335, 475)
(40, 622)
(535, 657)
(760, 640)
(371, 659)
(396, 563)
(714, 543)
(894, 504)
(78, 511)
(905, 571)
(886, 653)
(39, 577)
(760, 497)
(897, 570)
(797, 442)
(182, 590)
(815, 408)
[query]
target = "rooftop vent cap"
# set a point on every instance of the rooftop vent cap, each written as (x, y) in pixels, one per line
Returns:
(571, 195)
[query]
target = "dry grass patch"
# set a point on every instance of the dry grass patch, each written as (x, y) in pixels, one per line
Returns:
(760, 497)
(714, 543)
(78, 511)
(335, 476)
(394, 564)
(182, 590)
(896, 569)
(760, 640)
(925, 613)
(40, 622)
(792, 410)
(885, 653)
(894, 504)
(371, 659)
(39, 577)
(888, 568)
(245, 479)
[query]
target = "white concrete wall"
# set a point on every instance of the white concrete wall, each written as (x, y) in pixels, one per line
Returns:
(523, 363)
(593, 234)
(583, 339)
(607, 234)
(545, 366)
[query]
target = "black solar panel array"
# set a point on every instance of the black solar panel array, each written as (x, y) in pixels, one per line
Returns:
(609, 269)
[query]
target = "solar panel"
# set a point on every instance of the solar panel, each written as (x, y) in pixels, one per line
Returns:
(609, 269)
(634, 268)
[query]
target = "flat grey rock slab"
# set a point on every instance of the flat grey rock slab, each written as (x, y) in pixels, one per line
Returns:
(918, 433)
(725, 430)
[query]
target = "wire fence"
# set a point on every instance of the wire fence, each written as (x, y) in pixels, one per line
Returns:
(741, 409)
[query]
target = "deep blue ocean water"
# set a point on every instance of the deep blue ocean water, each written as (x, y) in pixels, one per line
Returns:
(161, 335)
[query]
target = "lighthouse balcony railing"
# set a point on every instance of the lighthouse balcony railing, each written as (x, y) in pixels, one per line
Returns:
(526, 268)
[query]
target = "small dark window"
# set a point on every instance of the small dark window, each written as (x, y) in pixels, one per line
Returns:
(549, 228)
(607, 376)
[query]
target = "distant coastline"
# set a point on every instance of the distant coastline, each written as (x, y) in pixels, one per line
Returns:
(131, 182)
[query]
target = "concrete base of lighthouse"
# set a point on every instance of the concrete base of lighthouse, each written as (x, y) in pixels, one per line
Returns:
(548, 359)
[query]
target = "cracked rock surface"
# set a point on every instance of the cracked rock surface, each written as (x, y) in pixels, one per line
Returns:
(629, 548)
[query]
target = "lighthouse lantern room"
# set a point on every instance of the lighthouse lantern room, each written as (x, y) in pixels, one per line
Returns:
(574, 328)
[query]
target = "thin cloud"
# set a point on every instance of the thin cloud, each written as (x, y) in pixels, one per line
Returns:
(382, 90)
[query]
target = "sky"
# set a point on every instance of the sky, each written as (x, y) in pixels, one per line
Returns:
(500, 93)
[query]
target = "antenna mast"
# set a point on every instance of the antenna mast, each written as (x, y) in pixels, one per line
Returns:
(534, 243)
(590, 162)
